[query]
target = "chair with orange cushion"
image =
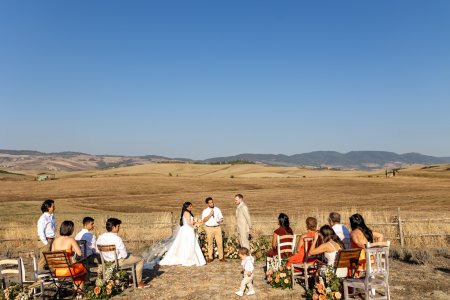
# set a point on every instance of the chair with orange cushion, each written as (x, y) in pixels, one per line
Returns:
(64, 271)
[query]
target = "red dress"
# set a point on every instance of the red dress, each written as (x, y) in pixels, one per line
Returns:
(299, 257)
(281, 231)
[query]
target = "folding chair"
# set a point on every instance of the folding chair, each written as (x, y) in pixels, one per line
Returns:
(112, 248)
(63, 271)
(376, 276)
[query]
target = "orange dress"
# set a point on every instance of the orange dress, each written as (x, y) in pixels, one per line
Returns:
(77, 270)
(299, 257)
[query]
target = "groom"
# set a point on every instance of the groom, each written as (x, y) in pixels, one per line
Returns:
(212, 217)
(243, 221)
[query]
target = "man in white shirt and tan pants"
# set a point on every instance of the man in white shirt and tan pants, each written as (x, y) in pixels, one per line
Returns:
(46, 230)
(212, 218)
(111, 238)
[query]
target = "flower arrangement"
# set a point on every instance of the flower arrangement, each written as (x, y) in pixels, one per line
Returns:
(113, 283)
(231, 246)
(259, 248)
(16, 291)
(278, 276)
(328, 287)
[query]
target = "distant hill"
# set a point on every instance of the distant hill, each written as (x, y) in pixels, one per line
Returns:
(332, 159)
(76, 161)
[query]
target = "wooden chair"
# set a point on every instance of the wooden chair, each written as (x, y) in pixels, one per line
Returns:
(37, 282)
(58, 260)
(306, 270)
(84, 258)
(347, 260)
(128, 268)
(285, 246)
(376, 275)
(10, 267)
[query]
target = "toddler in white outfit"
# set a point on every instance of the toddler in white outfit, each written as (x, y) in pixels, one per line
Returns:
(248, 268)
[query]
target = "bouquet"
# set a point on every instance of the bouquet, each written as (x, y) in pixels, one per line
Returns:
(198, 223)
(278, 276)
(112, 283)
(328, 287)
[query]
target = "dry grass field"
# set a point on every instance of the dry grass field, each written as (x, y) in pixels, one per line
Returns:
(148, 199)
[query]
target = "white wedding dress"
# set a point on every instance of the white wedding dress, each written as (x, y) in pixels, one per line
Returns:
(185, 249)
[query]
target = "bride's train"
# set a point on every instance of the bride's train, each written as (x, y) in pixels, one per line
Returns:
(181, 248)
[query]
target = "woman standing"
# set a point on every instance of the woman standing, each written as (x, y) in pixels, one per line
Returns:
(185, 249)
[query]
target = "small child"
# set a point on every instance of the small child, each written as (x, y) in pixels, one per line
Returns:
(248, 268)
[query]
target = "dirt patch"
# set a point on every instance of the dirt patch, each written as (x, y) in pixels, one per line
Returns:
(220, 280)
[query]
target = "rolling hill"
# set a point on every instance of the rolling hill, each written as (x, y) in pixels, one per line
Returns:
(16, 160)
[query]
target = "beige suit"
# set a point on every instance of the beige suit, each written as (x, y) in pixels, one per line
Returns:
(243, 224)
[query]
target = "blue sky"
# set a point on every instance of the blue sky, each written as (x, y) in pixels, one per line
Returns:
(200, 79)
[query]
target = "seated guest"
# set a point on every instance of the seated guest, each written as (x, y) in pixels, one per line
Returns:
(299, 257)
(67, 243)
(360, 236)
(86, 235)
(284, 229)
(331, 244)
(111, 238)
(341, 231)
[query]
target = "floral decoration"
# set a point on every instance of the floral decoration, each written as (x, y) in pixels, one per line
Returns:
(278, 276)
(327, 287)
(113, 283)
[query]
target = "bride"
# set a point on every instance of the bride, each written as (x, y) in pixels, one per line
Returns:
(185, 249)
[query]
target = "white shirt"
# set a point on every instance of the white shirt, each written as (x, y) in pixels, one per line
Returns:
(215, 218)
(89, 237)
(46, 227)
(247, 264)
(343, 233)
(111, 238)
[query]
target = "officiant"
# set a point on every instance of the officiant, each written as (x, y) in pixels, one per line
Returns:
(212, 218)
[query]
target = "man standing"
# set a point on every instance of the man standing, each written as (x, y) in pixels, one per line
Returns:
(111, 238)
(212, 217)
(341, 231)
(46, 227)
(86, 235)
(243, 221)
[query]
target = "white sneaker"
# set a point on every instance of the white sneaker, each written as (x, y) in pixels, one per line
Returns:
(239, 293)
(252, 292)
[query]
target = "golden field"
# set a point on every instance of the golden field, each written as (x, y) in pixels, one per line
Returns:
(148, 198)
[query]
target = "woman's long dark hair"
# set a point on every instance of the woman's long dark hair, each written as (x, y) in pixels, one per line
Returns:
(328, 234)
(357, 222)
(283, 220)
(183, 209)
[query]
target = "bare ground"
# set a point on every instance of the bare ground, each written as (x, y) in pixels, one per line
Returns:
(220, 280)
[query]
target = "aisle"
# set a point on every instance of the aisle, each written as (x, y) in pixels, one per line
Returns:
(216, 280)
